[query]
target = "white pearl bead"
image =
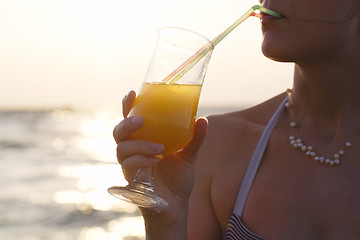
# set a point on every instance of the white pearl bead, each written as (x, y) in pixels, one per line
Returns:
(309, 150)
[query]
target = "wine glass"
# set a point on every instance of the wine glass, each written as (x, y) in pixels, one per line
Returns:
(167, 104)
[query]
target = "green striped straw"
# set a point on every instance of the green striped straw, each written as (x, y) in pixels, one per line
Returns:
(188, 64)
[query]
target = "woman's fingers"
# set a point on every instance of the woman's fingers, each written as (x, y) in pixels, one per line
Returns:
(190, 151)
(123, 130)
(126, 149)
(127, 102)
(135, 154)
(130, 124)
(131, 165)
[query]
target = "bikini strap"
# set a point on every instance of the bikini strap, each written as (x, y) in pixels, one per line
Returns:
(255, 161)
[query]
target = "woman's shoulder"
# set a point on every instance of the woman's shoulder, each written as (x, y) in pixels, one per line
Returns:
(235, 134)
(259, 115)
(225, 153)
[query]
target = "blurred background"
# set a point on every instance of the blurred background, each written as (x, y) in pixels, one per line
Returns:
(65, 66)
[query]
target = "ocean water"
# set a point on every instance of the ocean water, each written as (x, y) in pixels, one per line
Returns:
(55, 167)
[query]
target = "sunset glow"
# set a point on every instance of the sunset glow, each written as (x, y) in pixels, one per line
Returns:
(90, 53)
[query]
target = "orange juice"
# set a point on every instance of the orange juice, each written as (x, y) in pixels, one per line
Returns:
(169, 112)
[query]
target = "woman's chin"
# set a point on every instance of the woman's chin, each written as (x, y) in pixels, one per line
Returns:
(276, 47)
(276, 52)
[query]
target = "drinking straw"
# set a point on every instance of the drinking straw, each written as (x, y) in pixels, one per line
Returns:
(188, 64)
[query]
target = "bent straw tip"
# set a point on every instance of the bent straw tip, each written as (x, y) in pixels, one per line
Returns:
(267, 11)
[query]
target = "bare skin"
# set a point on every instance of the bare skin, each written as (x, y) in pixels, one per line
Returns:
(292, 197)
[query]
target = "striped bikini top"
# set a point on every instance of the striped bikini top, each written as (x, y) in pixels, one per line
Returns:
(236, 230)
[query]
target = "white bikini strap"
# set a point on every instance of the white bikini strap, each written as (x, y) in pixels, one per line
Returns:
(255, 161)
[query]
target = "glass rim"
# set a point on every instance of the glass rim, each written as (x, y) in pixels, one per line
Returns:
(190, 31)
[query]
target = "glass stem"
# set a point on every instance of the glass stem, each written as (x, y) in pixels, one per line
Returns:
(144, 176)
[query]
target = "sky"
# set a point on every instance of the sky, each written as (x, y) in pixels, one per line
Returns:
(90, 53)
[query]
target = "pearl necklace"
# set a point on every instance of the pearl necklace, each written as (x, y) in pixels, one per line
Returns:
(309, 150)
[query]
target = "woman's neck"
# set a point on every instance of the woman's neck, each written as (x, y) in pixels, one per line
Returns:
(325, 94)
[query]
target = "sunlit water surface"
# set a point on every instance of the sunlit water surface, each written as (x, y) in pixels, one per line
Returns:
(55, 169)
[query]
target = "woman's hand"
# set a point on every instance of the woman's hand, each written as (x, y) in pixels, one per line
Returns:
(133, 154)
(173, 175)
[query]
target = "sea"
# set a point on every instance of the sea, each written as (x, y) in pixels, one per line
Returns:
(55, 168)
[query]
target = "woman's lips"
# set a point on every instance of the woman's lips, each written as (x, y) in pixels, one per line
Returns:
(267, 19)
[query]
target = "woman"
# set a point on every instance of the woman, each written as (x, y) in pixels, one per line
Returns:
(303, 189)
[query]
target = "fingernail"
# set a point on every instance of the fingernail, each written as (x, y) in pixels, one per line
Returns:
(127, 95)
(135, 120)
(153, 160)
(157, 148)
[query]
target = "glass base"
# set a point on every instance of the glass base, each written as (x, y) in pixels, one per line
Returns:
(140, 194)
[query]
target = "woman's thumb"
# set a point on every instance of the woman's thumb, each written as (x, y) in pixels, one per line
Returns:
(200, 129)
